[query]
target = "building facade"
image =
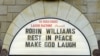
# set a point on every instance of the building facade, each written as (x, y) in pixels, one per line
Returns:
(9, 9)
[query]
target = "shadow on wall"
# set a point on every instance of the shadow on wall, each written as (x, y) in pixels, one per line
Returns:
(96, 52)
(4, 52)
(0, 45)
(99, 44)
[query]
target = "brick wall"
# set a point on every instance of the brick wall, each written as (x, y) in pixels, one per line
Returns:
(91, 9)
(9, 9)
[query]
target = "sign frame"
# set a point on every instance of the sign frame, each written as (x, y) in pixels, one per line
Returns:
(50, 18)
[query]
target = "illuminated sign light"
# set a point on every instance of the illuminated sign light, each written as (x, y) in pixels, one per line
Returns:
(49, 36)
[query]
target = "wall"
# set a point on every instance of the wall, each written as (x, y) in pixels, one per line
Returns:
(91, 9)
(9, 9)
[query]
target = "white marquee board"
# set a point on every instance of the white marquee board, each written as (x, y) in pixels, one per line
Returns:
(49, 36)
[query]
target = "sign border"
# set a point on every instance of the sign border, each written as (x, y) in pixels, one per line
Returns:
(50, 18)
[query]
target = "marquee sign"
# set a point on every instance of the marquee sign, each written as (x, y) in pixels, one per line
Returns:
(49, 36)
